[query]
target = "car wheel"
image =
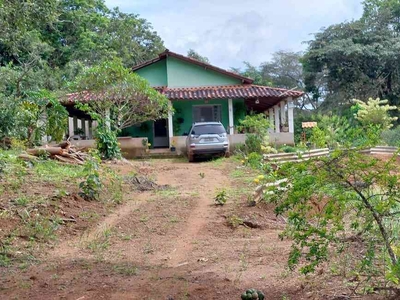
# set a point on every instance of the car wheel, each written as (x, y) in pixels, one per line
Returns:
(191, 158)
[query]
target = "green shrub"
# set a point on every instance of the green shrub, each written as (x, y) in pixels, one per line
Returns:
(253, 143)
(254, 159)
(268, 150)
(107, 142)
(256, 129)
(288, 149)
(374, 112)
(318, 137)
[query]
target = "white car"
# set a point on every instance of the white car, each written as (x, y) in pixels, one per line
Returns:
(207, 138)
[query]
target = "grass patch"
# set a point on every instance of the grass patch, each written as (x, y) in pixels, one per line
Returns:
(217, 162)
(144, 219)
(89, 215)
(38, 227)
(126, 269)
(239, 173)
(126, 237)
(174, 220)
(168, 193)
(101, 242)
(181, 159)
(234, 221)
(21, 201)
(55, 172)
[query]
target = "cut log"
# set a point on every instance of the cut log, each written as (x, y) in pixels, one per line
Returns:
(64, 145)
(69, 160)
(64, 152)
(50, 150)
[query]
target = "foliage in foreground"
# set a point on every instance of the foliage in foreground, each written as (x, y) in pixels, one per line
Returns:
(348, 204)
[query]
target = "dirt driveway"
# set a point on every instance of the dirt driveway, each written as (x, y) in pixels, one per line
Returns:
(171, 244)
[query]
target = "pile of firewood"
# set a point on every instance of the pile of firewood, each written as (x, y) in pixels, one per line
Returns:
(64, 152)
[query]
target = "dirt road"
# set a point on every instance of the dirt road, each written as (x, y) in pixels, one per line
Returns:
(169, 244)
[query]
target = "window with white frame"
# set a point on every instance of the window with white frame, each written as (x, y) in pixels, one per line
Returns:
(207, 113)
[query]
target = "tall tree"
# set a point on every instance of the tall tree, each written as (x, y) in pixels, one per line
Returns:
(357, 59)
(45, 44)
(284, 70)
(254, 73)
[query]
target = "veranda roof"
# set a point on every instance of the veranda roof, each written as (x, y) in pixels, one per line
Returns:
(245, 91)
(227, 92)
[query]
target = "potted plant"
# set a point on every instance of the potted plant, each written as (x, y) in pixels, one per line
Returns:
(285, 127)
(80, 132)
(172, 147)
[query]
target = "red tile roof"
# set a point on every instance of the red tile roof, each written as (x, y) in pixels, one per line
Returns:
(245, 91)
(230, 91)
(167, 53)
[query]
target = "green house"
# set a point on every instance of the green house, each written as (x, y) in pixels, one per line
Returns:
(200, 92)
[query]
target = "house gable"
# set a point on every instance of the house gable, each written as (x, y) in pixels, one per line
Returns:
(185, 74)
(155, 73)
(173, 70)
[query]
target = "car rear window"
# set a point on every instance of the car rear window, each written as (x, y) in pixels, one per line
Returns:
(208, 129)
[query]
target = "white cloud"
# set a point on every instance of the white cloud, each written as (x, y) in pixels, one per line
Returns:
(229, 32)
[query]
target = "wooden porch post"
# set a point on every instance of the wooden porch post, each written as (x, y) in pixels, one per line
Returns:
(271, 119)
(70, 126)
(170, 125)
(277, 119)
(75, 125)
(230, 110)
(79, 124)
(290, 114)
(90, 124)
(283, 112)
(86, 128)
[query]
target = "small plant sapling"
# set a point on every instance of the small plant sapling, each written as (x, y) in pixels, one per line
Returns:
(221, 197)
(91, 187)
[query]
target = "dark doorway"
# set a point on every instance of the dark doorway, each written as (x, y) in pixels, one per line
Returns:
(161, 139)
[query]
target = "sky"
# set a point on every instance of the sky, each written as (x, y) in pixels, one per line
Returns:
(229, 32)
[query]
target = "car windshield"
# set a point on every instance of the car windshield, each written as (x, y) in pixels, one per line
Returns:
(208, 129)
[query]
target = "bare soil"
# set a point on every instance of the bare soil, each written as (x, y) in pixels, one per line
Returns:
(168, 244)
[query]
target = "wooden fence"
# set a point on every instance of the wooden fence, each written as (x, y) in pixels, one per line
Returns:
(306, 155)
